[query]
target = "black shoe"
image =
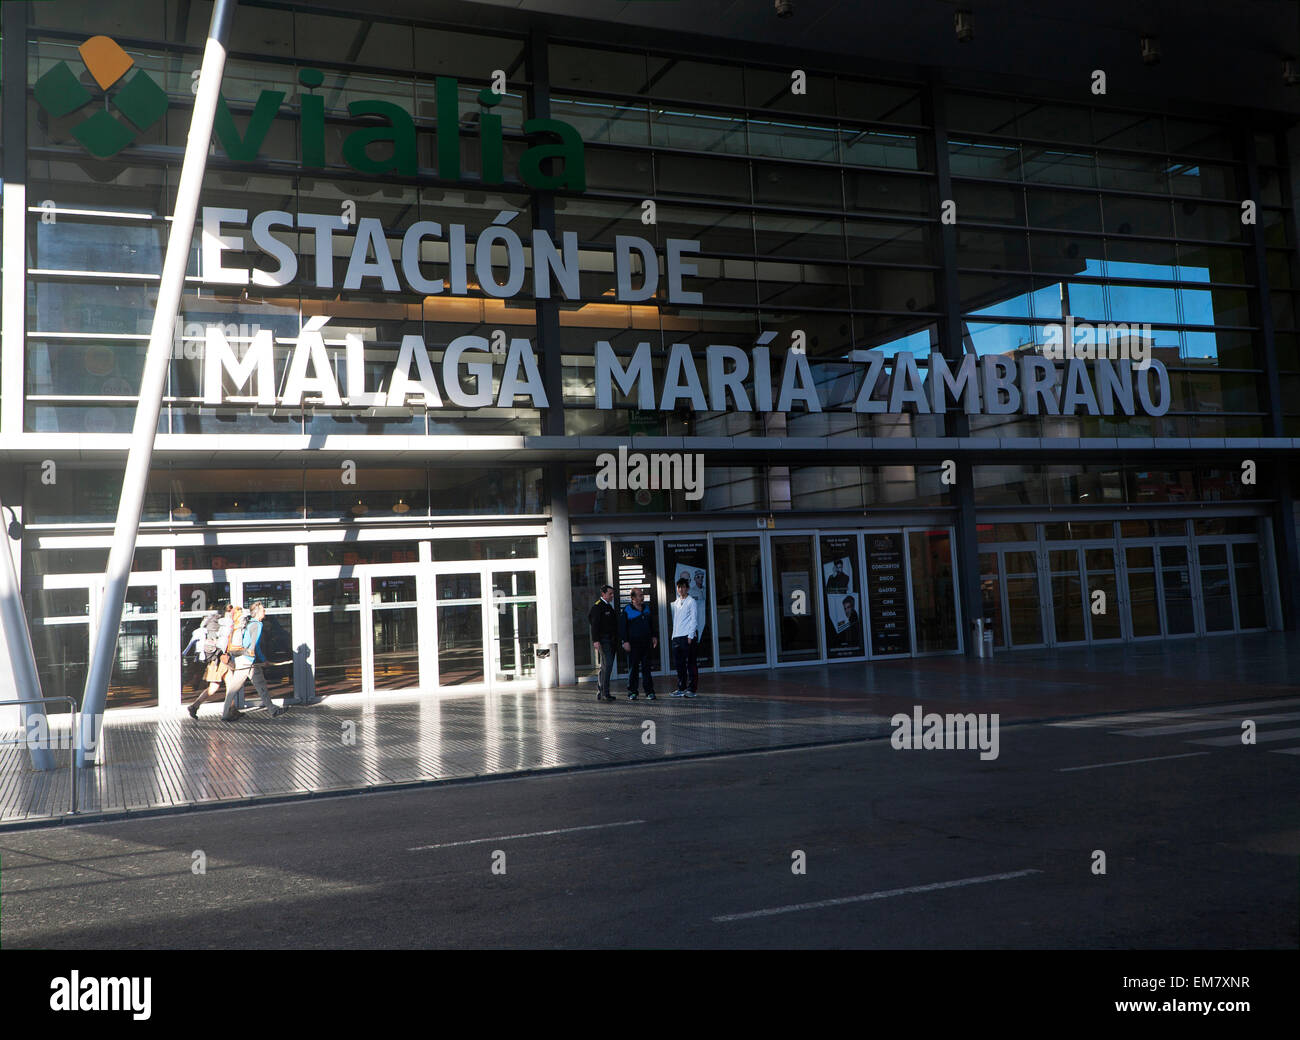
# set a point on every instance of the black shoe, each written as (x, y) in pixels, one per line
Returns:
(649, 696)
(194, 711)
(632, 696)
(277, 712)
(232, 716)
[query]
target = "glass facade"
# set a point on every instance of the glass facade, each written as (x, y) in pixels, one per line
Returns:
(406, 543)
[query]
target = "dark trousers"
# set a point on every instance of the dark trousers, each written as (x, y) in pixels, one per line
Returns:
(688, 672)
(606, 667)
(640, 660)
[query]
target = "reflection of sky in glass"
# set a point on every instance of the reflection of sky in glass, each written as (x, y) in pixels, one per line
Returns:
(1143, 303)
(1087, 300)
(1198, 307)
(989, 338)
(917, 343)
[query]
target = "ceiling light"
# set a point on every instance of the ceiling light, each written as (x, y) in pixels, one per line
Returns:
(360, 508)
(182, 512)
(784, 8)
(1150, 50)
(401, 507)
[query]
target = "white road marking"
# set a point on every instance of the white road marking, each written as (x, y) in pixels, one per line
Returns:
(1260, 738)
(869, 896)
(1131, 761)
(1176, 713)
(1195, 727)
(1111, 720)
(531, 834)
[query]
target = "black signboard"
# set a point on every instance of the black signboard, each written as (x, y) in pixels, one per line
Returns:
(634, 568)
(887, 595)
(842, 595)
(690, 560)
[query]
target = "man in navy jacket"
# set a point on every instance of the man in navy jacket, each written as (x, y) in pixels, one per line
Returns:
(638, 631)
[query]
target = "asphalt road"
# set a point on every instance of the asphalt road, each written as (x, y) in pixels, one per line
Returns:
(903, 849)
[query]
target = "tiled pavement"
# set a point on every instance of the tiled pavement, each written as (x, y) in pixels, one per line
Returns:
(166, 762)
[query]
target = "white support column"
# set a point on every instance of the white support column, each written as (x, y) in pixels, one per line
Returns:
(154, 379)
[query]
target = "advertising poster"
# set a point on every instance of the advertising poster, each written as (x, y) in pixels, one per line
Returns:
(634, 568)
(842, 592)
(690, 560)
(887, 595)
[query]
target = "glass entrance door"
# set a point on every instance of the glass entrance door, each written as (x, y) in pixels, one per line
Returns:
(738, 570)
(1216, 586)
(1176, 590)
(513, 635)
(391, 618)
(1105, 612)
(1143, 591)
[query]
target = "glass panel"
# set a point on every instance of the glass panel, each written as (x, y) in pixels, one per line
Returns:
(514, 635)
(398, 588)
(586, 576)
(460, 644)
(62, 660)
(1104, 610)
(1216, 587)
(1067, 596)
(337, 627)
(991, 595)
(1250, 587)
(738, 570)
(1023, 598)
(276, 596)
(459, 586)
(887, 595)
(134, 682)
(792, 561)
(1144, 602)
(1177, 582)
(514, 583)
(395, 635)
(352, 553)
(842, 586)
(195, 602)
(689, 560)
(935, 606)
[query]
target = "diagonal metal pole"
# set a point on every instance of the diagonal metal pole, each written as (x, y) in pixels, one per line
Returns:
(19, 641)
(152, 384)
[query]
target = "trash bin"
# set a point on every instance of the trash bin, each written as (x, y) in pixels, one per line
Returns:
(988, 638)
(546, 661)
(977, 636)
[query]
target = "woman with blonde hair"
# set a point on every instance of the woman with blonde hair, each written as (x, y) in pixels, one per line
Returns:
(218, 659)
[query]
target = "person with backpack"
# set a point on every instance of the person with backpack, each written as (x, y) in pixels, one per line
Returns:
(248, 660)
(216, 642)
(638, 631)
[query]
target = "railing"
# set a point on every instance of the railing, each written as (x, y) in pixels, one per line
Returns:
(75, 715)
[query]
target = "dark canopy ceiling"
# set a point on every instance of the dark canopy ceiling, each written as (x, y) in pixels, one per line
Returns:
(1218, 52)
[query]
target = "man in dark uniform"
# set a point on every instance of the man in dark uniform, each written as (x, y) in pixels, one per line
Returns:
(638, 630)
(603, 619)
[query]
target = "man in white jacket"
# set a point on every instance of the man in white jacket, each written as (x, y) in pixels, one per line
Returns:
(685, 644)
